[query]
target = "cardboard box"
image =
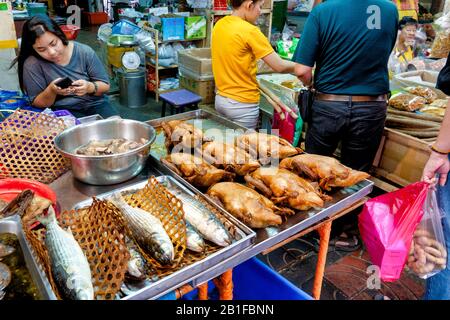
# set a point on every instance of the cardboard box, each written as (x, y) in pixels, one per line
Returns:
(195, 27)
(197, 61)
(205, 89)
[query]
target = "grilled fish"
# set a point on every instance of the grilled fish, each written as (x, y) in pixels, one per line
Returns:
(194, 240)
(147, 230)
(70, 268)
(207, 224)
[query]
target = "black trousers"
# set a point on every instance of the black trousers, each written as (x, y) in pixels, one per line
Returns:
(357, 125)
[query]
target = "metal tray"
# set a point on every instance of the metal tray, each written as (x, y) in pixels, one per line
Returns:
(13, 225)
(243, 239)
(266, 237)
(210, 123)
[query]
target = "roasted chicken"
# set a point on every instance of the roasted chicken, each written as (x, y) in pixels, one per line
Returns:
(247, 205)
(195, 170)
(183, 133)
(285, 187)
(229, 157)
(265, 147)
(328, 171)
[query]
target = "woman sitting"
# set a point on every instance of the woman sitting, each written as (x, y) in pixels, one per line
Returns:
(46, 57)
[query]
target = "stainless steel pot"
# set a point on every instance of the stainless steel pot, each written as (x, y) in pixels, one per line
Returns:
(106, 169)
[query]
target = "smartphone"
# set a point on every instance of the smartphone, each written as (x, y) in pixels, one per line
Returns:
(64, 83)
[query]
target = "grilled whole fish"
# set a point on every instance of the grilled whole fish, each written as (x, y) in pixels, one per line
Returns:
(194, 240)
(70, 268)
(147, 230)
(136, 265)
(207, 224)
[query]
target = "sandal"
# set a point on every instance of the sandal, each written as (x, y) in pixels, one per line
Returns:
(345, 243)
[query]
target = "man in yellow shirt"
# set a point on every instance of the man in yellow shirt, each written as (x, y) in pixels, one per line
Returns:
(236, 46)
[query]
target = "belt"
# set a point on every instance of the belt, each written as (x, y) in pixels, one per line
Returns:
(338, 97)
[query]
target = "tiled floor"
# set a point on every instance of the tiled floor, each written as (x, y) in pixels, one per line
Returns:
(345, 274)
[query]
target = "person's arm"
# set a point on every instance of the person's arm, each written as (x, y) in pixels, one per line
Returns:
(48, 96)
(98, 82)
(304, 73)
(83, 87)
(438, 162)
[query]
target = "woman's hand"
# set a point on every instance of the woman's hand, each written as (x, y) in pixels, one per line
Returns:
(59, 91)
(82, 87)
(437, 163)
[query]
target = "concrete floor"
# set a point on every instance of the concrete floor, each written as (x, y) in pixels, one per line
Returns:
(345, 274)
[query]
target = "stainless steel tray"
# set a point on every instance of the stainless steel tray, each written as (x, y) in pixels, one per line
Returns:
(243, 239)
(12, 225)
(266, 237)
(212, 124)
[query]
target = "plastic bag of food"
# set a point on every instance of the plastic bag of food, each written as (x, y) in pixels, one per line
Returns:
(406, 101)
(423, 92)
(387, 224)
(427, 254)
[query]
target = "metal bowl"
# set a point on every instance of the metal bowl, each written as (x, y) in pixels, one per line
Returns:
(106, 169)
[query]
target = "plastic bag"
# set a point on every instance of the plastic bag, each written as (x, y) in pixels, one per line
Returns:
(406, 101)
(387, 224)
(427, 254)
(423, 92)
(286, 127)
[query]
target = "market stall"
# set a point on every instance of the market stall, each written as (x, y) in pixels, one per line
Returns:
(74, 197)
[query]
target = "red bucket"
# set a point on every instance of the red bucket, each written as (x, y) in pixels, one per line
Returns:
(70, 30)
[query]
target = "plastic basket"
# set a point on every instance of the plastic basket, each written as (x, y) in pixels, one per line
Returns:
(220, 5)
(125, 27)
(71, 31)
(253, 280)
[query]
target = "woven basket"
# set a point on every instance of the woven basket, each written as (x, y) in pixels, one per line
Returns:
(27, 149)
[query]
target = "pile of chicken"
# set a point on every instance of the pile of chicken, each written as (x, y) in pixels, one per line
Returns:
(298, 181)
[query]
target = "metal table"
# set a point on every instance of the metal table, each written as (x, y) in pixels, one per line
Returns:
(69, 192)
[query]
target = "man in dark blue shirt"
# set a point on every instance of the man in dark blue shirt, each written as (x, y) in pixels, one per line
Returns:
(349, 41)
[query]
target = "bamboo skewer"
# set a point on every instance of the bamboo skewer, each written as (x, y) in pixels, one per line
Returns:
(274, 105)
(277, 100)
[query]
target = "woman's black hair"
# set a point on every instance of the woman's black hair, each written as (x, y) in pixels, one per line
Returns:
(407, 21)
(33, 29)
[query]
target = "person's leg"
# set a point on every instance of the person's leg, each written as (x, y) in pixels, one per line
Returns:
(438, 286)
(361, 140)
(324, 130)
(244, 114)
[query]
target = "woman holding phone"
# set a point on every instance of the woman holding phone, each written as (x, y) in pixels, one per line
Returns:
(61, 74)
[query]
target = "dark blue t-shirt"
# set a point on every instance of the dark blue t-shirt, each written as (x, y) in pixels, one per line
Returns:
(350, 41)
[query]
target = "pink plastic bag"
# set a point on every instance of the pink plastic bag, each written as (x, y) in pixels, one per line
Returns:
(286, 127)
(387, 225)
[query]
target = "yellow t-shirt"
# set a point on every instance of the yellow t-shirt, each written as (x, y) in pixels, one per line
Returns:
(235, 47)
(408, 55)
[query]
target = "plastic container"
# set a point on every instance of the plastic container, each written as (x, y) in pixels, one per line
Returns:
(36, 8)
(65, 113)
(96, 18)
(253, 280)
(11, 187)
(71, 31)
(172, 28)
(125, 27)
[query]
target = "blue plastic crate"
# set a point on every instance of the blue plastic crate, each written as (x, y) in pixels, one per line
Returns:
(125, 27)
(172, 28)
(253, 280)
